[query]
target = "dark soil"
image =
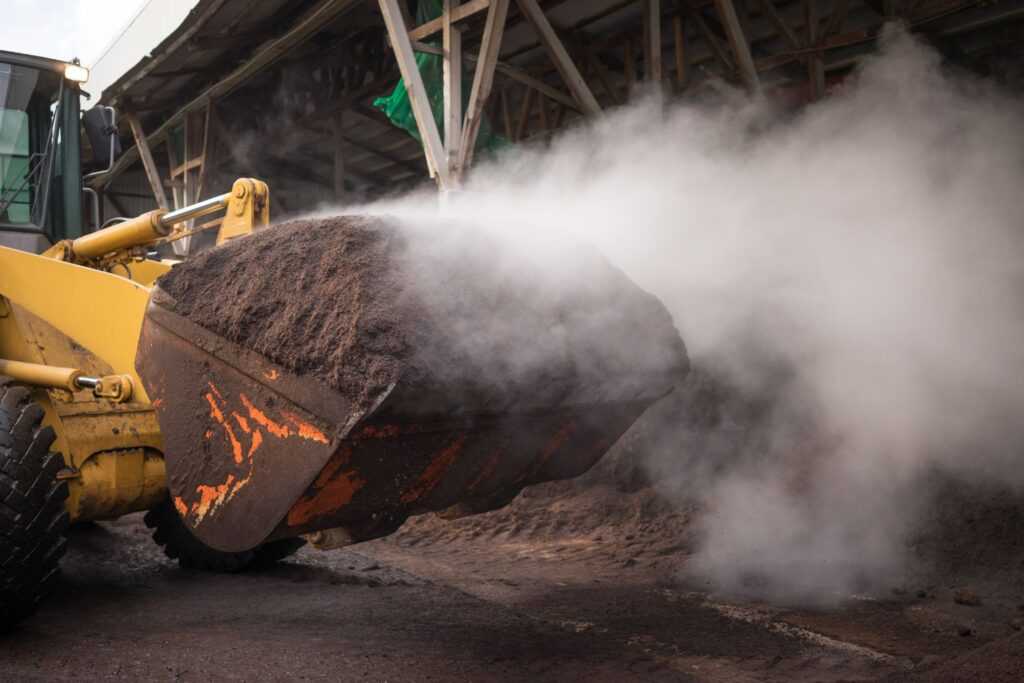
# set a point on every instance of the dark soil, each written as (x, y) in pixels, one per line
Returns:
(361, 303)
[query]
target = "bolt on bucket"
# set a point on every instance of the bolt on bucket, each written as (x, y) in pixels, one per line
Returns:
(333, 373)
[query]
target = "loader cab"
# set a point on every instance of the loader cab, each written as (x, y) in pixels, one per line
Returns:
(40, 160)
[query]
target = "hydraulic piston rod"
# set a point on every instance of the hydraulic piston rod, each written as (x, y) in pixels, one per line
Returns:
(144, 229)
(207, 206)
(245, 208)
(118, 388)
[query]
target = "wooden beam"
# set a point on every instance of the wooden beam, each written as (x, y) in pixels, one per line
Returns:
(570, 74)
(713, 42)
(192, 142)
(451, 64)
(209, 143)
(524, 114)
(815, 64)
(338, 154)
(512, 72)
(194, 137)
(457, 14)
(652, 40)
(172, 162)
(483, 80)
(433, 148)
(740, 46)
(527, 46)
(629, 65)
(682, 63)
(383, 154)
(601, 71)
(540, 86)
(781, 27)
(837, 17)
(217, 41)
(118, 206)
(181, 71)
(187, 166)
(556, 117)
(506, 113)
(148, 165)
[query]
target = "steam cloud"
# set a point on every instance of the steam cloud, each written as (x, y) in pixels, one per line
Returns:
(854, 272)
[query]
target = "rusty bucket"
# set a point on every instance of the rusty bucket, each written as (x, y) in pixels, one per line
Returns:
(255, 452)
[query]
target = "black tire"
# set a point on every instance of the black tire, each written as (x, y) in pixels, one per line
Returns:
(32, 514)
(179, 544)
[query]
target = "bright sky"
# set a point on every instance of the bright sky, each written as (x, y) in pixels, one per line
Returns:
(62, 29)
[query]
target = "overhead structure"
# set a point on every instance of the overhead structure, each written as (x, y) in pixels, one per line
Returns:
(285, 88)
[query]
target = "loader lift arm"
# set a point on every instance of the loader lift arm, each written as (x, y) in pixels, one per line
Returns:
(88, 299)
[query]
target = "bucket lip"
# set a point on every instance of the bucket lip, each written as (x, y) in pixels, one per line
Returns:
(312, 395)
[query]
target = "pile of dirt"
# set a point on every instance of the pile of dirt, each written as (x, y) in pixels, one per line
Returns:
(362, 303)
(1002, 660)
(973, 534)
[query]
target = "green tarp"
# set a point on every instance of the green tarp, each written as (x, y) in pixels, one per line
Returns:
(431, 67)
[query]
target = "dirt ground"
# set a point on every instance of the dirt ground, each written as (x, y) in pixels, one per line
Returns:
(577, 580)
(519, 594)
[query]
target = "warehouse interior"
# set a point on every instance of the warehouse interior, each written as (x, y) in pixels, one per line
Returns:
(285, 91)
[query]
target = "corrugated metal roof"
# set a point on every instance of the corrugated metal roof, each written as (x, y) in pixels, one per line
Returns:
(144, 31)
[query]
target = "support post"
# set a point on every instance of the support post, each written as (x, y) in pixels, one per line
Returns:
(506, 113)
(629, 64)
(740, 46)
(601, 71)
(524, 114)
(713, 42)
(815, 65)
(560, 57)
(781, 27)
(838, 16)
(452, 76)
(209, 142)
(148, 165)
(483, 78)
(338, 154)
(193, 162)
(652, 40)
(682, 63)
(433, 148)
(172, 163)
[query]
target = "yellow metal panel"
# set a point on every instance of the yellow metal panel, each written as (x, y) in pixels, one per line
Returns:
(112, 484)
(144, 272)
(100, 311)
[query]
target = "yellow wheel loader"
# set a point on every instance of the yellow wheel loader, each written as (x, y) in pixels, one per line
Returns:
(112, 402)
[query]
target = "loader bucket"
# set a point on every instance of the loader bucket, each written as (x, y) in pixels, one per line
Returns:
(258, 451)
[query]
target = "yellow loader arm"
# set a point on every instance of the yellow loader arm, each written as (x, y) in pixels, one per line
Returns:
(73, 286)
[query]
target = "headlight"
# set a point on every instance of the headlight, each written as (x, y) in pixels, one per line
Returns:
(76, 73)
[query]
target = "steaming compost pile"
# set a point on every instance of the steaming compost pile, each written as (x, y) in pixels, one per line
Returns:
(361, 303)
